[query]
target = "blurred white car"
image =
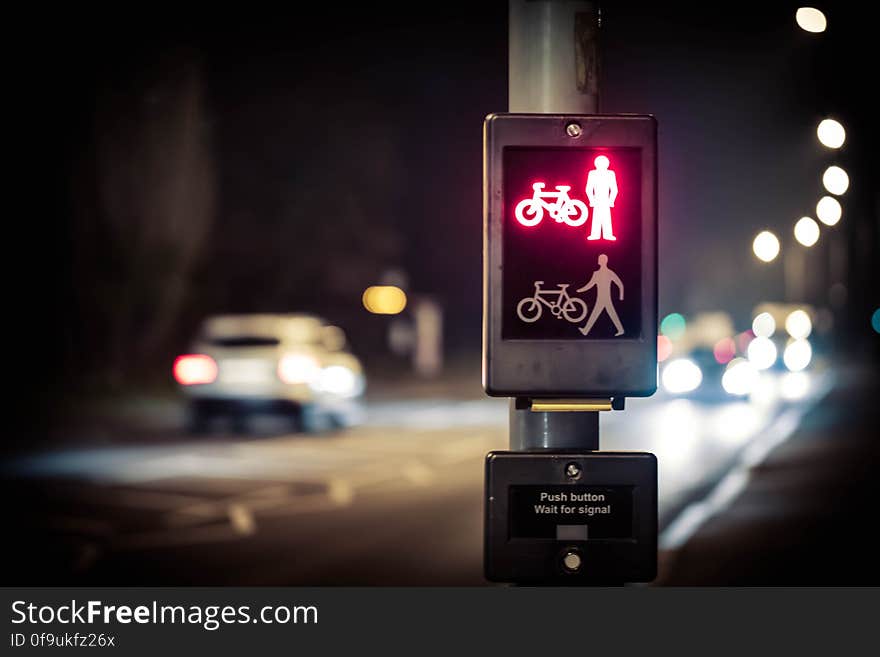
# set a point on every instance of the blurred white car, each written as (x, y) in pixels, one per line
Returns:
(293, 365)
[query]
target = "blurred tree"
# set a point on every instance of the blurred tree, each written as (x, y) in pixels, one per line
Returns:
(153, 203)
(310, 216)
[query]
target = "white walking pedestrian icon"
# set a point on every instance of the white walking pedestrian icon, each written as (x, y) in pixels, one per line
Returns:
(602, 280)
(601, 191)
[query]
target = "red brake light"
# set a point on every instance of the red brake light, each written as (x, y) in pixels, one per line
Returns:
(193, 369)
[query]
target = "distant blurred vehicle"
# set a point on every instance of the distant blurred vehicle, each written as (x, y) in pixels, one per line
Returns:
(696, 376)
(707, 362)
(693, 370)
(293, 365)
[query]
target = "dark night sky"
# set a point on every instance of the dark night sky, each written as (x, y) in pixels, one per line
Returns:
(378, 111)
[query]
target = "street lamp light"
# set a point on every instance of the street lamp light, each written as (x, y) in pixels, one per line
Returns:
(798, 324)
(763, 326)
(384, 299)
(836, 180)
(831, 133)
(806, 231)
(828, 210)
(811, 19)
(766, 246)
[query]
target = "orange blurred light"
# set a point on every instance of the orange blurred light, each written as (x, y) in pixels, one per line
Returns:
(384, 299)
(664, 348)
(724, 350)
(194, 369)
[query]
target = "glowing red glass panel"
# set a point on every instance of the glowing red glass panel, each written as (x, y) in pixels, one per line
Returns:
(572, 243)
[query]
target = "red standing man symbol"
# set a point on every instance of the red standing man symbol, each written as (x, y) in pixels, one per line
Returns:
(602, 280)
(601, 192)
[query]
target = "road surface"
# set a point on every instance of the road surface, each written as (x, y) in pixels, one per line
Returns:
(396, 501)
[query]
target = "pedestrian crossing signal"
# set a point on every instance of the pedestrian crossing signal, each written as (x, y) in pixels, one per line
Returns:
(570, 229)
(583, 255)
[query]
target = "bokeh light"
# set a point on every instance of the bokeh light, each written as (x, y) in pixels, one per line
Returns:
(798, 324)
(339, 380)
(681, 375)
(740, 377)
(743, 340)
(875, 320)
(762, 353)
(764, 325)
(811, 19)
(724, 350)
(298, 368)
(766, 246)
(673, 326)
(828, 210)
(831, 133)
(797, 355)
(835, 180)
(806, 231)
(194, 369)
(384, 299)
(664, 348)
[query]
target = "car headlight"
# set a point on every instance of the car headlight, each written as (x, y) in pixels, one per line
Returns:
(339, 380)
(797, 355)
(740, 377)
(681, 375)
(298, 368)
(762, 353)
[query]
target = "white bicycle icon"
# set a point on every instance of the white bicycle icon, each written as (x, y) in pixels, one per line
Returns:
(571, 308)
(530, 211)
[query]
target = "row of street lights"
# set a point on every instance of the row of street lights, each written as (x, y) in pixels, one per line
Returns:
(832, 135)
(835, 180)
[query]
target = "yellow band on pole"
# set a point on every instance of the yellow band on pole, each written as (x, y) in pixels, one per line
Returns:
(555, 405)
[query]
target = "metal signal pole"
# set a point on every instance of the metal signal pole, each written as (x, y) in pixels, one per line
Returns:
(553, 60)
(553, 68)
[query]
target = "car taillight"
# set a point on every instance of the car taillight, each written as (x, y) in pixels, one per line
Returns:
(298, 368)
(193, 369)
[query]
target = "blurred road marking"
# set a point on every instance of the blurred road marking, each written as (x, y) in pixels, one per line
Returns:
(165, 539)
(340, 492)
(241, 519)
(467, 449)
(695, 515)
(144, 499)
(194, 513)
(418, 473)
